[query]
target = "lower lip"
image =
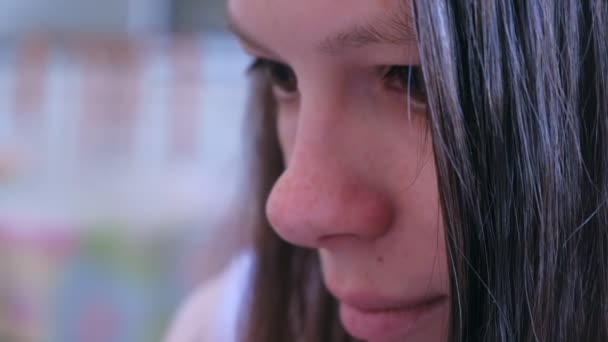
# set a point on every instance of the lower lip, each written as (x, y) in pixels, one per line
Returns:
(384, 324)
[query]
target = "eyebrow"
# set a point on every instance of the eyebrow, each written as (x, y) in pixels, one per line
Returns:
(393, 29)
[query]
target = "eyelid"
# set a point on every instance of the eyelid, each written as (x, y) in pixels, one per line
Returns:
(260, 61)
(251, 48)
(260, 54)
(387, 71)
(394, 70)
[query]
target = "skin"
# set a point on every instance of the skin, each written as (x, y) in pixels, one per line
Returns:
(360, 183)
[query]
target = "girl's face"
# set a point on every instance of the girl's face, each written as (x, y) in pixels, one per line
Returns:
(360, 184)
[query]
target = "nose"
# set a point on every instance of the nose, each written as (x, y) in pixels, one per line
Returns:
(322, 199)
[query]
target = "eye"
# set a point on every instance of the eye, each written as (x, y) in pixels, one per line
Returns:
(407, 79)
(282, 77)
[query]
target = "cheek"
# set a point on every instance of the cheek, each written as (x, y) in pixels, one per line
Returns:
(417, 241)
(417, 195)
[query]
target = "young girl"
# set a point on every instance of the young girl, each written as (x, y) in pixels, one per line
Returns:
(430, 171)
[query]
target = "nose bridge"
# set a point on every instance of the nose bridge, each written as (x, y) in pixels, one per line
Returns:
(325, 123)
(321, 194)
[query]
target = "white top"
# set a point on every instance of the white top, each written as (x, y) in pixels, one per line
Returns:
(211, 314)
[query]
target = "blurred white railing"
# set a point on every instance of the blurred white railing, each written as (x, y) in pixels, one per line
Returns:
(144, 130)
(85, 16)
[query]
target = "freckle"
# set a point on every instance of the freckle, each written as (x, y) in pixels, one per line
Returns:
(380, 259)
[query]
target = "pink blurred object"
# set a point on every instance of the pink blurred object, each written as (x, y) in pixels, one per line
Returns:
(30, 254)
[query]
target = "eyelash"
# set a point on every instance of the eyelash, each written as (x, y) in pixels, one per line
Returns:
(410, 80)
(402, 78)
(278, 73)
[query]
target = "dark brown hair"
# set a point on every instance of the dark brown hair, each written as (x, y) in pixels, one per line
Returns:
(518, 109)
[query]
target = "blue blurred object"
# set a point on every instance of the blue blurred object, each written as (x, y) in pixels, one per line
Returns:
(110, 294)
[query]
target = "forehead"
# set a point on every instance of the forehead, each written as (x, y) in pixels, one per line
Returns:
(302, 24)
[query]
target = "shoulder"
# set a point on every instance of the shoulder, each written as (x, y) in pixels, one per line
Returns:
(212, 312)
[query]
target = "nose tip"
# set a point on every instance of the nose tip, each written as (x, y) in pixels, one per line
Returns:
(311, 209)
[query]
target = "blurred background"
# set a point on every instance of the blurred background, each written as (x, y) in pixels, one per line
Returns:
(121, 164)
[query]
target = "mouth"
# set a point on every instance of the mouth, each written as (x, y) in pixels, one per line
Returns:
(379, 319)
